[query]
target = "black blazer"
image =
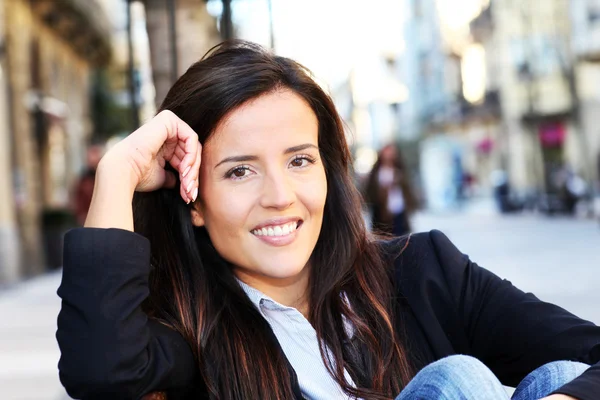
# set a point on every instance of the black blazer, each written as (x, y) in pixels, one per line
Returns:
(447, 304)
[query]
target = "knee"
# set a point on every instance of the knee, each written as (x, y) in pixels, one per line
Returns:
(560, 371)
(454, 377)
(457, 366)
(455, 362)
(548, 378)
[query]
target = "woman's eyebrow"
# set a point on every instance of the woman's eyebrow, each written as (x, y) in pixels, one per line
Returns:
(237, 159)
(300, 148)
(254, 158)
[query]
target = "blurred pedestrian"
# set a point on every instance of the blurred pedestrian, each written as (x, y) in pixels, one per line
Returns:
(572, 190)
(389, 194)
(84, 187)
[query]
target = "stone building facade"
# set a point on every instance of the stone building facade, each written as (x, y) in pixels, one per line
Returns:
(49, 50)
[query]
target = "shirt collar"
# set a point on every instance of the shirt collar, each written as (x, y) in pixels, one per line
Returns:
(260, 300)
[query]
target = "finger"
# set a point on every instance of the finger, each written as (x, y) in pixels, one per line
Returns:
(189, 138)
(196, 169)
(190, 148)
(190, 181)
(182, 135)
(179, 152)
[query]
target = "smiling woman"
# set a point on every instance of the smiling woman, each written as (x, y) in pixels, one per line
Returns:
(244, 269)
(267, 153)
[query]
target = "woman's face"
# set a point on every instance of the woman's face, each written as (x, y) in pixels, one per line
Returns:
(263, 189)
(388, 155)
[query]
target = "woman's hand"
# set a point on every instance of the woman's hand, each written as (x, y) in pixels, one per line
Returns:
(163, 139)
(559, 397)
(137, 163)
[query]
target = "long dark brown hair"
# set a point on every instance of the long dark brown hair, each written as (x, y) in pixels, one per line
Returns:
(193, 289)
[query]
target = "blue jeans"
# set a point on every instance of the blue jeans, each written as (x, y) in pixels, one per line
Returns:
(466, 378)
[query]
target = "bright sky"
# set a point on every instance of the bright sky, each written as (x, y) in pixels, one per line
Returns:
(457, 13)
(330, 37)
(334, 37)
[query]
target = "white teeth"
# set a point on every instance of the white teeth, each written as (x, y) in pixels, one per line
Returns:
(279, 230)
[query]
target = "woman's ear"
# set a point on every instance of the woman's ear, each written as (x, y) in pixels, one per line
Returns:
(197, 214)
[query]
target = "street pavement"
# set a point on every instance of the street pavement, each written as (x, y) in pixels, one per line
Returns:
(555, 258)
(28, 349)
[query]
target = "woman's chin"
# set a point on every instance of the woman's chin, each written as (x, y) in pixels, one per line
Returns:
(283, 273)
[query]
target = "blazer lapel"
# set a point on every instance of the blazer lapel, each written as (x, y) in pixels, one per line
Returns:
(294, 377)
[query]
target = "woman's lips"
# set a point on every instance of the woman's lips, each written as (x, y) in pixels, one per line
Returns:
(278, 235)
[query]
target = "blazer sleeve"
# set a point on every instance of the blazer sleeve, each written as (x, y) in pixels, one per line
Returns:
(109, 348)
(514, 332)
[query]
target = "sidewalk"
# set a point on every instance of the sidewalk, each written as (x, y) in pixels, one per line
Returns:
(28, 348)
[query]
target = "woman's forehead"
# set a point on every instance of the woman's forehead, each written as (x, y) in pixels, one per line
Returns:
(279, 119)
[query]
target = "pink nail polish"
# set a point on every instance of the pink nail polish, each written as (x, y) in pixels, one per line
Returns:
(186, 171)
(189, 187)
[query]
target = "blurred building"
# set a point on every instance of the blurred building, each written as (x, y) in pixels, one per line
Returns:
(185, 23)
(130, 77)
(453, 106)
(532, 46)
(527, 98)
(541, 82)
(428, 70)
(49, 49)
(586, 50)
(478, 118)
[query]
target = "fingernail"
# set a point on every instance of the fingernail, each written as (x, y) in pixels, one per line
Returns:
(195, 194)
(189, 186)
(187, 201)
(186, 171)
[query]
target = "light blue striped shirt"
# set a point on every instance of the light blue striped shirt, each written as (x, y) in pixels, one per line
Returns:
(299, 342)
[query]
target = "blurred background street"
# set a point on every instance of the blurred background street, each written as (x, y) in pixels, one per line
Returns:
(480, 118)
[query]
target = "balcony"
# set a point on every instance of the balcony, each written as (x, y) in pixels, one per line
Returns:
(488, 109)
(81, 23)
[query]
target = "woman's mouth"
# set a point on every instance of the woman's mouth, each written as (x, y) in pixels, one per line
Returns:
(278, 234)
(276, 230)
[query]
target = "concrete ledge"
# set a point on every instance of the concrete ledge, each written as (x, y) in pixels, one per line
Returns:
(9, 255)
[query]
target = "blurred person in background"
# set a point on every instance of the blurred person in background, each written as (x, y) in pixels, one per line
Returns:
(225, 256)
(502, 192)
(389, 193)
(84, 186)
(570, 189)
(573, 191)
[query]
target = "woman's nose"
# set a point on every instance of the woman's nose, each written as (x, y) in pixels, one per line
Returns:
(278, 192)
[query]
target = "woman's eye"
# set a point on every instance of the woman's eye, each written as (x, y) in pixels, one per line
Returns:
(300, 162)
(239, 172)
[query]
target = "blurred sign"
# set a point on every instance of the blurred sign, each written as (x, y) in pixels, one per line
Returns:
(552, 134)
